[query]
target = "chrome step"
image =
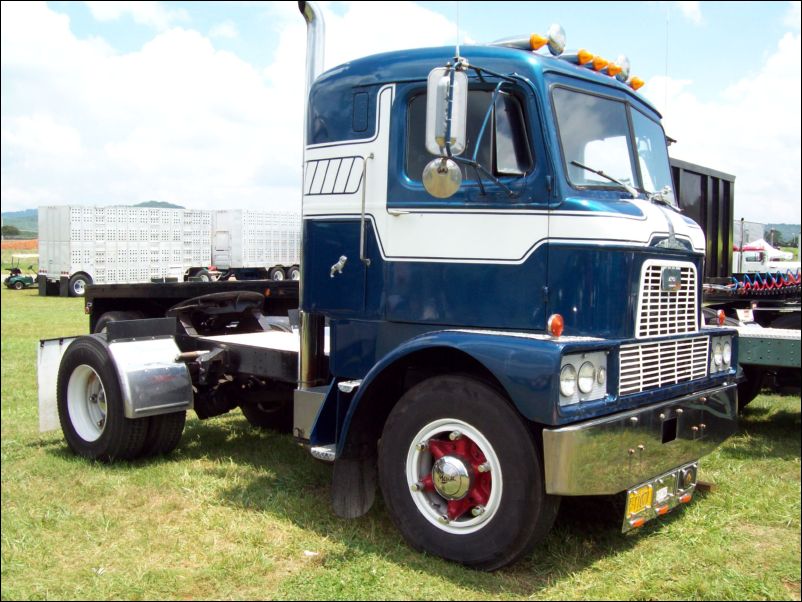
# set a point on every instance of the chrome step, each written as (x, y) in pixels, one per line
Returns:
(326, 453)
(349, 386)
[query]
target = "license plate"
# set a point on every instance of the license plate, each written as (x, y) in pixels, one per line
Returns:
(639, 499)
(658, 496)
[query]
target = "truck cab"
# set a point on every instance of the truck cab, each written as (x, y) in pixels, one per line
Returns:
(557, 282)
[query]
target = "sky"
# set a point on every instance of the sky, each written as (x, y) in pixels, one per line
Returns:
(201, 104)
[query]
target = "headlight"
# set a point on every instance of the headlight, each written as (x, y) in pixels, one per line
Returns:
(717, 354)
(726, 353)
(568, 380)
(601, 376)
(587, 374)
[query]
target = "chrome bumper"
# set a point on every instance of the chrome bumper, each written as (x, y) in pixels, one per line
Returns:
(611, 454)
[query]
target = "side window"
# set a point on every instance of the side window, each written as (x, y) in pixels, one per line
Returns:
(503, 150)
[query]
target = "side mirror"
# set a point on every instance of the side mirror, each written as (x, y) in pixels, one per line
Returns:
(446, 121)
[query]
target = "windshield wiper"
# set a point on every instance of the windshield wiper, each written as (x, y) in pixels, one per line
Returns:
(598, 172)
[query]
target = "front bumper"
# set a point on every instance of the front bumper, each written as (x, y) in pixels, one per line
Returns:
(611, 454)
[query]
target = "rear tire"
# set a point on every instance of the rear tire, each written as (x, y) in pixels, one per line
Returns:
(751, 387)
(502, 513)
(164, 434)
(294, 273)
(18, 285)
(90, 405)
(276, 274)
(116, 316)
(77, 285)
(274, 416)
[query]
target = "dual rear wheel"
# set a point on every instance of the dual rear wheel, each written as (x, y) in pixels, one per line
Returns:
(92, 413)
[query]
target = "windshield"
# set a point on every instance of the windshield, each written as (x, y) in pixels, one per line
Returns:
(594, 131)
(652, 154)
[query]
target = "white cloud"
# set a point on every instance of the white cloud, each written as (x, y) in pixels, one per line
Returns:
(752, 131)
(152, 14)
(226, 29)
(792, 18)
(178, 120)
(691, 11)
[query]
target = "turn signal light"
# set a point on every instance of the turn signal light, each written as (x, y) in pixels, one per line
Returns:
(637, 522)
(720, 315)
(685, 498)
(661, 510)
(583, 56)
(555, 325)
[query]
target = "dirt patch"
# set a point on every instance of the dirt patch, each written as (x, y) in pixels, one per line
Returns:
(21, 245)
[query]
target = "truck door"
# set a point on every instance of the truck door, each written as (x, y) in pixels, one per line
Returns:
(476, 258)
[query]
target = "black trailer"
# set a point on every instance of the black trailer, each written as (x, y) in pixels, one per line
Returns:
(768, 317)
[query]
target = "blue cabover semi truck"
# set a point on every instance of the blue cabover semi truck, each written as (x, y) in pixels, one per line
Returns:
(500, 305)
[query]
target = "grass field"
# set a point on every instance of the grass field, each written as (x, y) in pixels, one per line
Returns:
(240, 514)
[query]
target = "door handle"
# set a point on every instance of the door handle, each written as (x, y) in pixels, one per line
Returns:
(337, 268)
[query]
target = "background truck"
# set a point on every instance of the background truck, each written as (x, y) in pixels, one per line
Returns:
(765, 304)
(80, 246)
(489, 318)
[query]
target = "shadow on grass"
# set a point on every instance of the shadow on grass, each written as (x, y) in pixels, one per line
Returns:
(766, 432)
(288, 484)
(284, 482)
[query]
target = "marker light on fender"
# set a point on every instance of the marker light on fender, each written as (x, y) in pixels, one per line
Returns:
(555, 325)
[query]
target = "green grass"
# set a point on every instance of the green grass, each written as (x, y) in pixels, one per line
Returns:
(236, 513)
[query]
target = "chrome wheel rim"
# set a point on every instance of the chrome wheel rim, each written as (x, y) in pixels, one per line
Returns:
(86, 403)
(454, 476)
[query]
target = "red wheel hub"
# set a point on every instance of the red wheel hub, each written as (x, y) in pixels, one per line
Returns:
(466, 451)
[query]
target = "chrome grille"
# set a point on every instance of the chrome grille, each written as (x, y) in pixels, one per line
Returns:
(662, 312)
(645, 366)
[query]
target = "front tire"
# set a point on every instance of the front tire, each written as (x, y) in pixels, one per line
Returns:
(90, 405)
(461, 476)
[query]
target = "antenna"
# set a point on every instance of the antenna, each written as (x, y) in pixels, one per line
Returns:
(665, 85)
(457, 55)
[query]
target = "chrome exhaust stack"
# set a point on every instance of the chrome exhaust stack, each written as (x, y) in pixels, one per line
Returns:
(312, 365)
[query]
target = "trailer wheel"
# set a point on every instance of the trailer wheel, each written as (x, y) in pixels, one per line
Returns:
(90, 405)
(116, 316)
(751, 387)
(294, 273)
(276, 274)
(274, 416)
(78, 283)
(164, 434)
(461, 476)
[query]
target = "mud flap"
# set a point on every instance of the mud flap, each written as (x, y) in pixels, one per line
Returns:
(353, 487)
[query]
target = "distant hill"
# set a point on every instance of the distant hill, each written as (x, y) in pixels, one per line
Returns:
(788, 231)
(159, 205)
(27, 221)
(24, 221)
